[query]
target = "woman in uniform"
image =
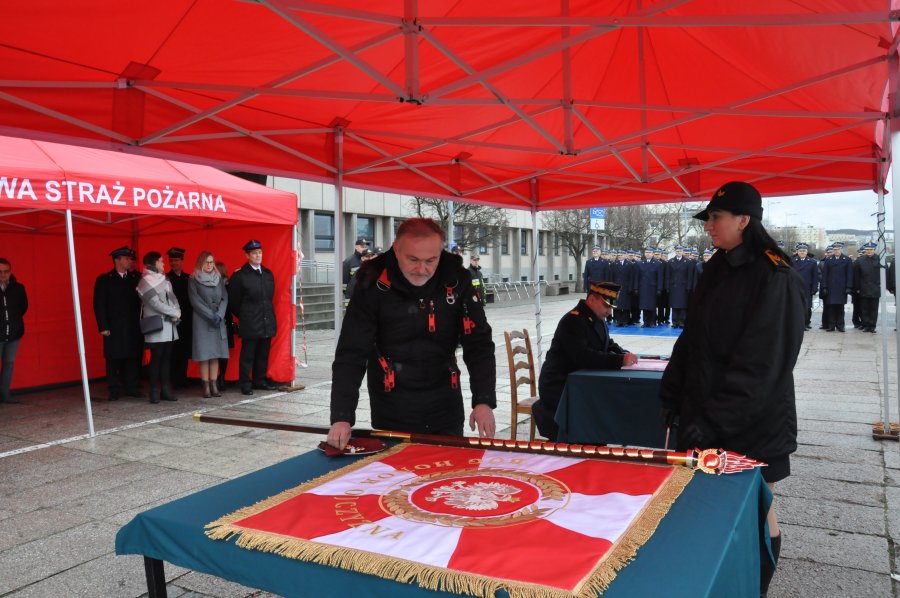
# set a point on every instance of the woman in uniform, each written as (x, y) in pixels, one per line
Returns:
(730, 379)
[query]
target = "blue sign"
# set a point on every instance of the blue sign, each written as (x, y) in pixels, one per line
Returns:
(598, 212)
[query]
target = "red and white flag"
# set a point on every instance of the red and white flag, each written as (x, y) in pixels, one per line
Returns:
(468, 520)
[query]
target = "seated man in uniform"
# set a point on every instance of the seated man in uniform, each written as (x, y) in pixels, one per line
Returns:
(581, 341)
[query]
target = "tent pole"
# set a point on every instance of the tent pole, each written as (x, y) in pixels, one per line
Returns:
(536, 271)
(338, 231)
(885, 364)
(79, 330)
(895, 188)
(295, 244)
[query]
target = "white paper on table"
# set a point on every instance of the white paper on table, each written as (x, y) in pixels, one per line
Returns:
(648, 365)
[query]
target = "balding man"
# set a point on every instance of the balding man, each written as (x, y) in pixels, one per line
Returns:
(409, 309)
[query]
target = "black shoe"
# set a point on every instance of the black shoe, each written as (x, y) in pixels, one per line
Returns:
(840, 329)
(10, 401)
(166, 395)
(247, 391)
(135, 393)
(829, 329)
(154, 395)
(809, 327)
(266, 386)
(113, 396)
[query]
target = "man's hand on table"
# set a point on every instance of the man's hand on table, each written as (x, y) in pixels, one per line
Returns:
(629, 359)
(339, 435)
(483, 417)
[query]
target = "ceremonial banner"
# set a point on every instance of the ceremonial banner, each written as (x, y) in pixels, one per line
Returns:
(467, 520)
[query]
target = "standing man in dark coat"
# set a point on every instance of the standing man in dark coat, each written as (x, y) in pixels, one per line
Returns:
(477, 276)
(808, 269)
(621, 272)
(650, 284)
(663, 307)
(250, 295)
(352, 264)
(867, 287)
(680, 281)
(181, 349)
(410, 309)
(581, 341)
(117, 309)
(837, 283)
(13, 305)
(596, 268)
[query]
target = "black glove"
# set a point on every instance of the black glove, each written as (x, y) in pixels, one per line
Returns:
(668, 416)
(658, 293)
(823, 293)
(848, 291)
(694, 436)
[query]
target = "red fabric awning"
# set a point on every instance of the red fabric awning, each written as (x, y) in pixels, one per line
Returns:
(599, 102)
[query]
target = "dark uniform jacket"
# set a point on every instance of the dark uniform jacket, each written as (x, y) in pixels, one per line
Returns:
(698, 272)
(117, 308)
(250, 295)
(180, 288)
(837, 277)
(731, 370)
(595, 270)
(581, 341)
(680, 281)
(477, 281)
(808, 269)
(389, 319)
(649, 282)
(867, 276)
(622, 273)
(349, 268)
(13, 305)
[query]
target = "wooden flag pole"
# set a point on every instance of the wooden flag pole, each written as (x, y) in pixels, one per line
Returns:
(712, 461)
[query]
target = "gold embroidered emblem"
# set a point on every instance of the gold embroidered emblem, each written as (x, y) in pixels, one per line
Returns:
(721, 193)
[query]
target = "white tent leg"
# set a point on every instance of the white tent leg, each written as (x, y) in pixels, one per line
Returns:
(885, 364)
(338, 231)
(294, 240)
(79, 330)
(535, 276)
(895, 188)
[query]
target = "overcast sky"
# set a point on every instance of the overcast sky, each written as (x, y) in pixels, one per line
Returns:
(829, 211)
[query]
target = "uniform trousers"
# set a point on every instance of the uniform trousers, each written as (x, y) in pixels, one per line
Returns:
(122, 373)
(635, 313)
(623, 317)
(649, 317)
(160, 369)
(833, 316)
(679, 315)
(868, 311)
(254, 360)
(856, 318)
(8, 350)
(181, 354)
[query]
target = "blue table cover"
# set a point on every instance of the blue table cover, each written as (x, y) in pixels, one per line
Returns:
(708, 544)
(611, 407)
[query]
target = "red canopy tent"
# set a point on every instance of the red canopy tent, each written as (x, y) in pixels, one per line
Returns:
(59, 200)
(530, 104)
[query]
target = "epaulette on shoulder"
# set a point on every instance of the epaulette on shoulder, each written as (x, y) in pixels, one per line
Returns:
(574, 312)
(776, 259)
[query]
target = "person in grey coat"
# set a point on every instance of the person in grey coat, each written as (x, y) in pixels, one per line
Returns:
(159, 299)
(209, 300)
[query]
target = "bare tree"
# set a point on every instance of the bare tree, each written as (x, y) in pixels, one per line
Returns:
(481, 225)
(572, 229)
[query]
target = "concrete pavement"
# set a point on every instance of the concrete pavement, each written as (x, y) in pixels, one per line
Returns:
(63, 496)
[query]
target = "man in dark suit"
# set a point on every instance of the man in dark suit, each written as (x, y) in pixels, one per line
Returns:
(117, 309)
(581, 341)
(250, 295)
(181, 350)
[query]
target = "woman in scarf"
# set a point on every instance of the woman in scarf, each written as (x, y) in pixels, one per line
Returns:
(159, 299)
(209, 299)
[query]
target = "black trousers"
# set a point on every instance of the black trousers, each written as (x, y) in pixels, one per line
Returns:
(623, 316)
(678, 316)
(635, 312)
(122, 373)
(833, 316)
(809, 316)
(649, 317)
(160, 369)
(181, 354)
(254, 360)
(868, 311)
(856, 318)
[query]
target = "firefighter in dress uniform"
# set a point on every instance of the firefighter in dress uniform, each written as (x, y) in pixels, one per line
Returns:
(808, 269)
(410, 309)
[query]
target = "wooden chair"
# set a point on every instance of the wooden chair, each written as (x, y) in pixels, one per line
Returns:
(518, 343)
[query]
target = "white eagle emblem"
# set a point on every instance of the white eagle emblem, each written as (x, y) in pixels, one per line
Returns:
(480, 496)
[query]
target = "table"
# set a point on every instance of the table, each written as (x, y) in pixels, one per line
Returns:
(611, 407)
(707, 545)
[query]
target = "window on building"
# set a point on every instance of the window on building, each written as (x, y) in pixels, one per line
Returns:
(397, 223)
(570, 277)
(504, 241)
(523, 242)
(524, 278)
(324, 231)
(556, 277)
(556, 243)
(365, 228)
(459, 235)
(482, 240)
(541, 243)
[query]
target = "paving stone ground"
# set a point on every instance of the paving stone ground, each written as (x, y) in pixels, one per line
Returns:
(63, 496)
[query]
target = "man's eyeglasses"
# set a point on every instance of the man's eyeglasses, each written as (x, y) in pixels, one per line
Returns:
(212, 262)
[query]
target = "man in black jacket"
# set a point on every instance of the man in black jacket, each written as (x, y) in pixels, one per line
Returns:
(117, 308)
(181, 350)
(410, 308)
(13, 305)
(581, 341)
(867, 287)
(477, 276)
(352, 264)
(250, 294)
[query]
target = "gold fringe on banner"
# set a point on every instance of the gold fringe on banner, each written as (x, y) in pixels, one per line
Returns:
(438, 578)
